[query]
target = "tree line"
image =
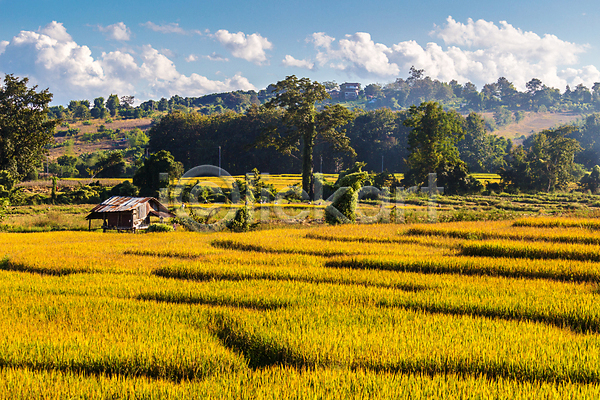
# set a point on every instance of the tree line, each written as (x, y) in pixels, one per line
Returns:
(298, 130)
(500, 97)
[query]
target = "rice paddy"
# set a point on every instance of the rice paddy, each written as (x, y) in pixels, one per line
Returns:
(495, 309)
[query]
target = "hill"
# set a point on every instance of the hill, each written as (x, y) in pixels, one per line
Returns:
(534, 122)
(80, 145)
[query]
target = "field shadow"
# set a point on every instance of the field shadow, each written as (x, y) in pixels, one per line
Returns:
(576, 324)
(7, 265)
(202, 276)
(263, 352)
(233, 245)
(179, 298)
(461, 268)
(163, 253)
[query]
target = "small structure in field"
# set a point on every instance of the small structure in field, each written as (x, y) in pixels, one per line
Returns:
(128, 213)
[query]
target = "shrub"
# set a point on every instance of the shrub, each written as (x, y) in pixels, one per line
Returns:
(345, 199)
(160, 228)
(343, 208)
(242, 221)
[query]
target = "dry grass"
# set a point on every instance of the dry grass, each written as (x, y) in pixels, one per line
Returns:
(81, 147)
(533, 122)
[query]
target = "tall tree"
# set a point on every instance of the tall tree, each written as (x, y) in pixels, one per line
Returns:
(482, 152)
(544, 162)
(148, 176)
(551, 156)
(303, 124)
(113, 104)
(432, 141)
(25, 130)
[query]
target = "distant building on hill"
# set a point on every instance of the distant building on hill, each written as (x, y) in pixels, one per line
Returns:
(349, 91)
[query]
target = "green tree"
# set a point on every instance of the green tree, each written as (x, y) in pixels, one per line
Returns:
(544, 162)
(113, 104)
(99, 110)
(25, 130)
(303, 124)
(137, 138)
(148, 176)
(591, 181)
(80, 109)
(551, 156)
(474, 143)
(8, 182)
(432, 141)
(110, 164)
(374, 90)
(503, 116)
(67, 165)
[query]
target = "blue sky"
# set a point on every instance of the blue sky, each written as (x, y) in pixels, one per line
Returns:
(152, 49)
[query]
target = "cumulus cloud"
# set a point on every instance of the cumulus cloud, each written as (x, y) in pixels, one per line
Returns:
(165, 81)
(118, 31)
(169, 28)
(157, 66)
(197, 85)
(191, 58)
(478, 51)
(357, 54)
(51, 58)
(248, 47)
(290, 61)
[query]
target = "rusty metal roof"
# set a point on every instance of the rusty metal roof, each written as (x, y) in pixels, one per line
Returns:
(122, 203)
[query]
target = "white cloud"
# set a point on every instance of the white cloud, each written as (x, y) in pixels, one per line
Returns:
(216, 57)
(157, 66)
(120, 66)
(191, 58)
(50, 58)
(118, 31)
(196, 85)
(169, 28)
(478, 51)
(57, 31)
(367, 55)
(248, 47)
(320, 39)
(357, 54)
(290, 61)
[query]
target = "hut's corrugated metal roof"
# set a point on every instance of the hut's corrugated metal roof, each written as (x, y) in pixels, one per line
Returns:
(121, 203)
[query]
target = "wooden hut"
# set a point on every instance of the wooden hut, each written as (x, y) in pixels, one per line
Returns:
(128, 213)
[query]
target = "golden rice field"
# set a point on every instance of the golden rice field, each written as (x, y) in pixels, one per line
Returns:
(494, 310)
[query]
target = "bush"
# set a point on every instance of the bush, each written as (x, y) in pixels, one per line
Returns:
(160, 228)
(345, 199)
(242, 221)
(124, 188)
